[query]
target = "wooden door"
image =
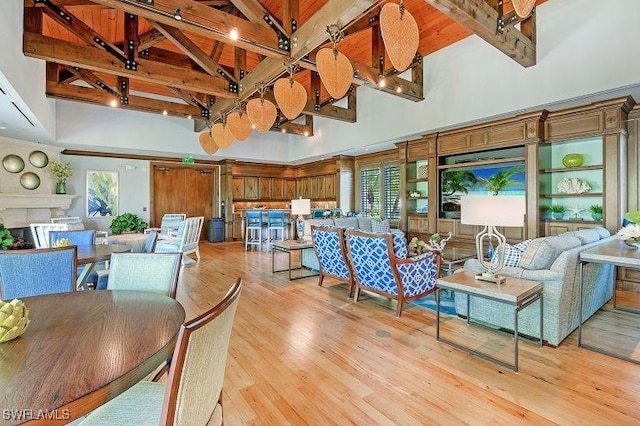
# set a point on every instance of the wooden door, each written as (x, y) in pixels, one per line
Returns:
(182, 190)
(198, 192)
(168, 195)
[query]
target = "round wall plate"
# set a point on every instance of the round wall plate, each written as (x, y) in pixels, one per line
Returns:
(13, 163)
(38, 159)
(29, 180)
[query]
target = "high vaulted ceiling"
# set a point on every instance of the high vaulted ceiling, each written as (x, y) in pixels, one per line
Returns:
(138, 54)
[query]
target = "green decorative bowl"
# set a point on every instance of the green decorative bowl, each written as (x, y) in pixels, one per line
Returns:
(572, 160)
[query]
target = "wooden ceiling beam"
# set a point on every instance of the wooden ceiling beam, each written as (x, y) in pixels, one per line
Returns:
(189, 97)
(93, 80)
(482, 19)
(256, 13)
(91, 58)
(312, 34)
(69, 21)
(192, 50)
(305, 129)
(290, 16)
(203, 20)
(150, 39)
(98, 97)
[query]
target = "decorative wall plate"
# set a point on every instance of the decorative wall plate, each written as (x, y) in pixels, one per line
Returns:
(29, 180)
(13, 163)
(38, 159)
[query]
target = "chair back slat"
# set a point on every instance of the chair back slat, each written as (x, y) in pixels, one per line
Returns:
(25, 273)
(196, 374)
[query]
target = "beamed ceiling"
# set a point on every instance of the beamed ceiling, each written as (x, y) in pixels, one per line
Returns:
(137, 53)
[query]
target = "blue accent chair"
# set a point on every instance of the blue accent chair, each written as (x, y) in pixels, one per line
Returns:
(377, 269)
(85, 237)
(25, 273)
(329, 245)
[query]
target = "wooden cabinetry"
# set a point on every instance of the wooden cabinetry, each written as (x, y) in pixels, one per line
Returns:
(277, 189)
(265, 188)
(237, 226)
(330, 186)
(251, 188)
(237, 188)
(290, 189)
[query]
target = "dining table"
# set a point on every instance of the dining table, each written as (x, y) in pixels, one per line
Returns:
(90, 255)
(82, 349)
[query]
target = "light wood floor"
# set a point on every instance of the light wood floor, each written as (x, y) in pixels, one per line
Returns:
(307, 355)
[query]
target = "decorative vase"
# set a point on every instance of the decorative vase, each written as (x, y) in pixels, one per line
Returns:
(557, 216)
(61, 188)
(573, 160)
(596, 216)
(633, 243)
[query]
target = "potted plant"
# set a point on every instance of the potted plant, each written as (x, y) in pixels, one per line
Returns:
(61, 171)
(596, 211)
(127, 222)
(557, 211)
(5, 238)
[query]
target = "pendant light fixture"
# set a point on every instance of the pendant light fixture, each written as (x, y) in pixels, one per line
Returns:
(239, 124)
(400, 34)
(290, 95)
(262, 112)
(335, 69)
(221, 134)
(523, 8)
(207, 143)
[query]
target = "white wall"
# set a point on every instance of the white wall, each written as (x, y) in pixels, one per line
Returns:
(24, 78)
(83, 126)
(133, 194)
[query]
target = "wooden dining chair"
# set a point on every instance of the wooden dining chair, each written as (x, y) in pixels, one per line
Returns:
(193, 392)
(155, 272)
(34, 272)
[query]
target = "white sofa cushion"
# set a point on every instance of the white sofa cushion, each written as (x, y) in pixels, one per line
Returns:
(309, 222)
(346, 222)
(364, 224)
(542, 252)
(586, 236)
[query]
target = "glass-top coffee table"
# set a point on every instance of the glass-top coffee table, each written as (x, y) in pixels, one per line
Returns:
(453, 258)
(288, 246)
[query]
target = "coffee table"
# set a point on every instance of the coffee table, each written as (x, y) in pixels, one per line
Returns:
(516, 292)
(453, 258)
(287, 247)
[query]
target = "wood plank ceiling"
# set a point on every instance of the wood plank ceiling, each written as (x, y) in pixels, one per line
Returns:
(137, 55)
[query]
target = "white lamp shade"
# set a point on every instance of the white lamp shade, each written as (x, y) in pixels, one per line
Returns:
(497, 210)
(301, 206)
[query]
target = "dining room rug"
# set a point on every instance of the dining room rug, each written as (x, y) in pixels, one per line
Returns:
(447, 303)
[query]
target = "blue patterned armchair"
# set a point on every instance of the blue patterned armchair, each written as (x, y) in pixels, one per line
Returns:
(377, 269)
(329, 245)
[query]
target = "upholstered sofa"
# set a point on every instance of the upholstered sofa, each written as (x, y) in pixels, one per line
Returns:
(554, 261)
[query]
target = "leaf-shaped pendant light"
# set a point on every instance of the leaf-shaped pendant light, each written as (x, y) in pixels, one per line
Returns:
(400, 34)
(207, 143)
(221, 135)
(335, 69)
(523, 8)
(239, 125)
(262, 112)
(290, 95)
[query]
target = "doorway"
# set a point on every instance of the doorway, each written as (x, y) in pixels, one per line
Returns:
(189, 189)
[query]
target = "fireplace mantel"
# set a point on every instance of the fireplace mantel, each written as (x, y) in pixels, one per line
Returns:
(20, 210)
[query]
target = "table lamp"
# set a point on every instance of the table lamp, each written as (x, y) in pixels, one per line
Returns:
(300, 207)
(492, 211)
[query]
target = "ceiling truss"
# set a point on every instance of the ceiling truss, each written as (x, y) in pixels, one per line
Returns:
(189, 67)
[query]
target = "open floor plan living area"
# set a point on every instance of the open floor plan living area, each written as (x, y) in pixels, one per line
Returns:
(319, 212)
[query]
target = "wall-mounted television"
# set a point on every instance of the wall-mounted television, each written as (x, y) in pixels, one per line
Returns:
(456, 181)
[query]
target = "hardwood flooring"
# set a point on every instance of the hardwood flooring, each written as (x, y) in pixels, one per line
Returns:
(307, 355)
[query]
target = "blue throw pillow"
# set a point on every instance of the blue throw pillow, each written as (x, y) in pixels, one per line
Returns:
(380, 225)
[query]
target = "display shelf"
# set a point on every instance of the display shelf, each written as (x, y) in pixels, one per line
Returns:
(583, 195)
(572, 169)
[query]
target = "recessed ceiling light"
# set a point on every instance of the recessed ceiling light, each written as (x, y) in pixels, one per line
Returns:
(189, 116)
(3, 127)
(113, 103)
(165, 112)
(306, 133)
(382, 82)
(398, 89)
(233, 34)
(283, 131)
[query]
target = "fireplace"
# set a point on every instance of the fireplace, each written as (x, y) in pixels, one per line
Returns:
(22, 238)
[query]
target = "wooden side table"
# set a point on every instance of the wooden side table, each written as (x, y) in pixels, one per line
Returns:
(515, 292)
